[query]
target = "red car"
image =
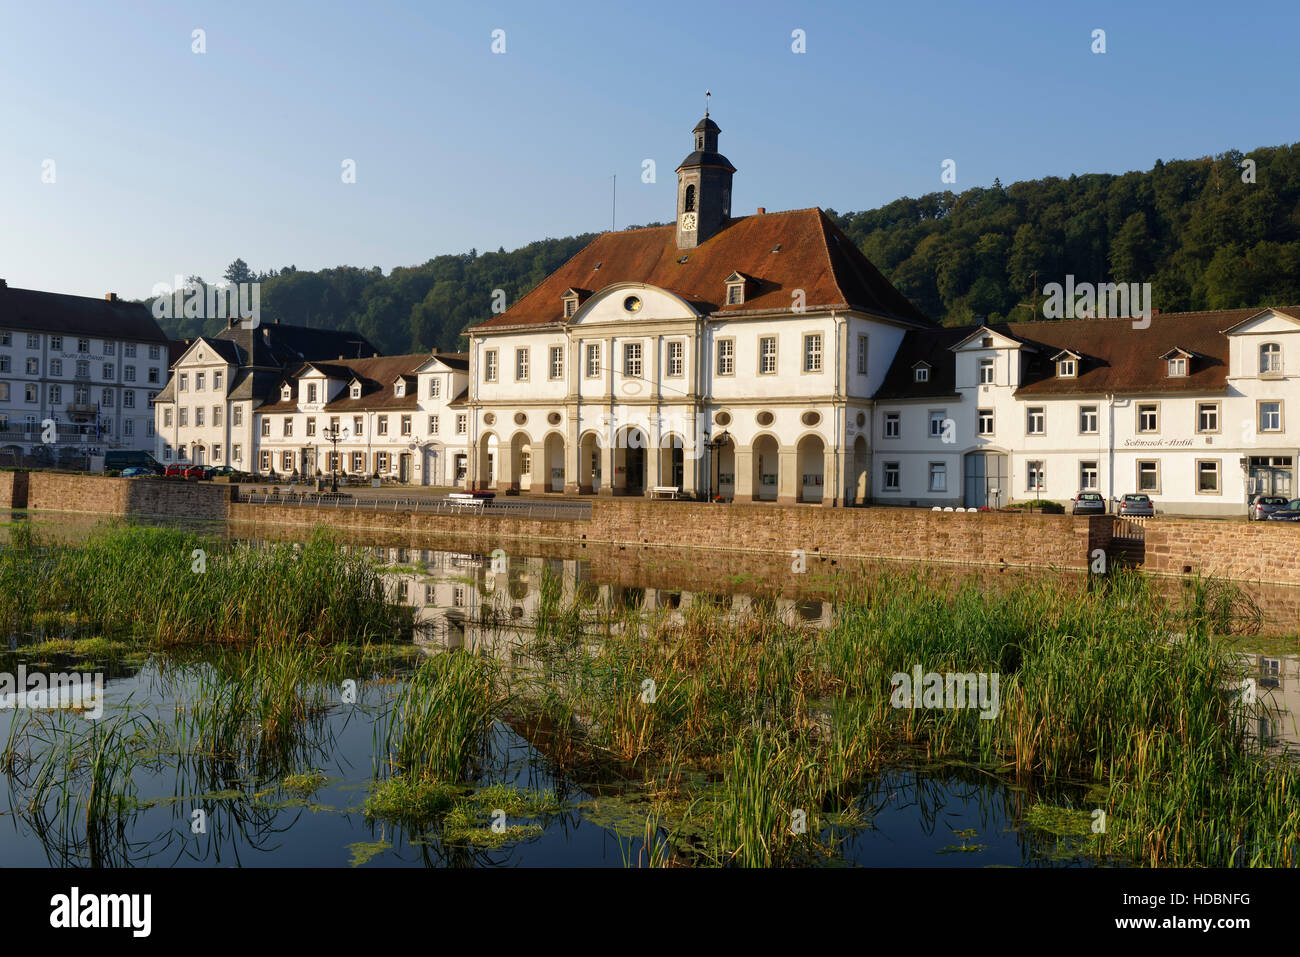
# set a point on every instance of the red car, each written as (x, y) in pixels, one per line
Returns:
(199, 472)
(175, 471)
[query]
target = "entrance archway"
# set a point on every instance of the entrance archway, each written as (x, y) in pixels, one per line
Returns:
(985, 480)
(861, 487)
(629, 462)
(522, 466)
(767, 468)
(487, 452)
(589, 476)
(672, 460)
(811, 456)
(550, 473)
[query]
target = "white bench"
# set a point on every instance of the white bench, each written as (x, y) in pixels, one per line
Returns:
(665, 491)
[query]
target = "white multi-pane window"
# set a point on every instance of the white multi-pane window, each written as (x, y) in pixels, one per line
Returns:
(632, 360)
(938, 477)
(1270, 416)
(1088, 476)
(521, 365)
(986, 421)
(593, 360)
(490, 366)
(381, 425)
(767, 354)
(1270, 357)
(812, 352)
(1207, 417)
(676, 358)
(891, 477)
(1036, 420)
(435, 387)
(986, 371)
(893, 425)
(862, 355)
(461, 423)
(557, 362)
(1148, 417)
(1087, 419)
(433, 425)
(406, 425)
(1037, 476)
(726, 356)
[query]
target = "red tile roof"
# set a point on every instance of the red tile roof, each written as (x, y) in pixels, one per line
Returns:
(814, 256)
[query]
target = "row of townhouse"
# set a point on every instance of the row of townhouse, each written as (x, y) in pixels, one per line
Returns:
(1190, 409)
(77, 374)
(283, 400)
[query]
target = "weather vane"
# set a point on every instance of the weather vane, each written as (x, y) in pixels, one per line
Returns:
(707, 94)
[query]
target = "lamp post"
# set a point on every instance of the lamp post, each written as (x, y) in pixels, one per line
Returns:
(334, 435)
(714, 446)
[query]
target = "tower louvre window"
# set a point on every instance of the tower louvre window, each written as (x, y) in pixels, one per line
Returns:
(689, 206)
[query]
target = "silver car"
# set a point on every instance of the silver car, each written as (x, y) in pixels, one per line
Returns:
(1134, 505)
(1264, 506)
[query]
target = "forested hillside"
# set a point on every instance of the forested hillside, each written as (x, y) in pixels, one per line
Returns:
(1204, 236)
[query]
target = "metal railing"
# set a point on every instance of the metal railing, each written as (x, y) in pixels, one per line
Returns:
(559, 511)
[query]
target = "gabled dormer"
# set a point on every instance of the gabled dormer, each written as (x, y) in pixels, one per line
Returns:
(573, 299)
(921, 371)
(404, 385)
(739, 288)
(354, 388)
(286, 390)
(1178, 362)
(1068, 363)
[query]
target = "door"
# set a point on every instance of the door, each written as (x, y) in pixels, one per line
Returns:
(985, 480)
(404, 467)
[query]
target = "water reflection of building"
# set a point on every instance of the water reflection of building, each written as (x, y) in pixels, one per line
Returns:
(492, 601)
(1277, 680)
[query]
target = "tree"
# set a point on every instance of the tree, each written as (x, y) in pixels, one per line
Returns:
(238, 272)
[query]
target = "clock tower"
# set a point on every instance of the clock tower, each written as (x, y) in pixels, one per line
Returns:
(703, 188)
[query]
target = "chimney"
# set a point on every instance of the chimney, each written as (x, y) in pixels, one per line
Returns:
(762, 210)
(111, 297)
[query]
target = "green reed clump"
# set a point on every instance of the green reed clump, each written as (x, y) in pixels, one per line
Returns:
(440, 725)
(173, 586)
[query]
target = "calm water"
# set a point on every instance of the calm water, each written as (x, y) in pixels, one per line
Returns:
(948, 818)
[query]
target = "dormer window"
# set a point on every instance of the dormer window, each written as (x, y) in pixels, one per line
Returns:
(399, 388)
(355, 390)
(570, 307)
(1177, 363)
(572, 299)
(737, 284)
(1067, 364)
(285, 393)
(921, 372)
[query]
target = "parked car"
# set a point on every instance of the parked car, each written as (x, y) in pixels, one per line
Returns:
(1133, 505)
(122, 460)
(230, 470)
(1290, 512)
(137, 471)
(1089, 503)
(175, 471)
(1264, 506)
(199, 472)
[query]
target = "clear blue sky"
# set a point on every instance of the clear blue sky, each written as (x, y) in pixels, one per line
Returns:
(169, 162)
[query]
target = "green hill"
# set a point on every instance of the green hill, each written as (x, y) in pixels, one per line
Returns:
(1203, 236)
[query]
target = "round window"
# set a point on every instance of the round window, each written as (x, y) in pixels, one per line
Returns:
(520, 418)
(489, 418)
(810, 418)
(765, 418)
(723, 418)
(553, 418)
(632, 304)
(862, 419)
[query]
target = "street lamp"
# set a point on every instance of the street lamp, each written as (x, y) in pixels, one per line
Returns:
(714, 446)
(334, 435)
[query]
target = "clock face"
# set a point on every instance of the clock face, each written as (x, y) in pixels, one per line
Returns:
(688, 221)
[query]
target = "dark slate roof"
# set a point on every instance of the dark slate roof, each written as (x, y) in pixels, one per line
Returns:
(1117, 358)
(276, 344)
(815, 256)
(706, 158)
(933, 346)
(54, 313)
(377, 376)
(454, 360)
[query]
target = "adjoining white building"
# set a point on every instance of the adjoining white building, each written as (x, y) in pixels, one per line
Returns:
(1191, 410)
(88, 366)
(718, 356)
(401, 418)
